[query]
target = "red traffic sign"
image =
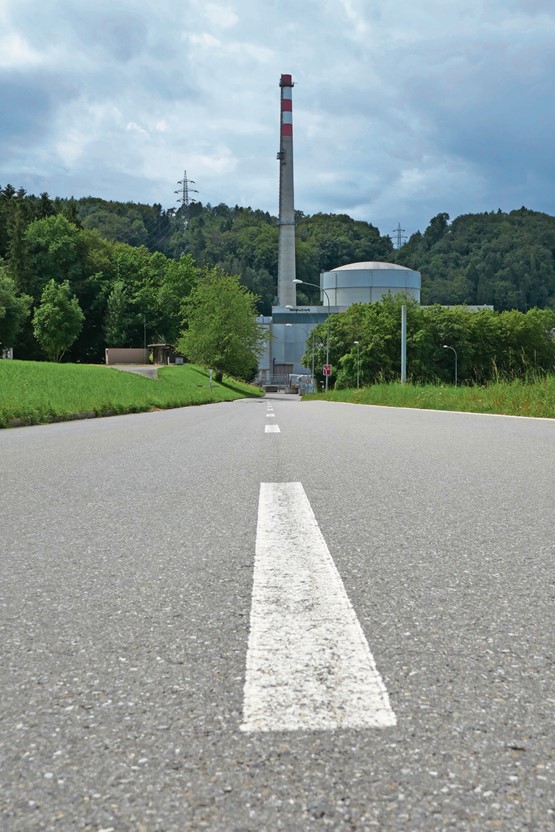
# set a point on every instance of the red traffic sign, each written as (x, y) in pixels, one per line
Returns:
(327, 370)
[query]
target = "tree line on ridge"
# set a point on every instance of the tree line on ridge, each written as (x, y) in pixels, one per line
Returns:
(130, 266)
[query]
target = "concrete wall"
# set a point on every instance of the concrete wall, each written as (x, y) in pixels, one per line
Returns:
(123, 355)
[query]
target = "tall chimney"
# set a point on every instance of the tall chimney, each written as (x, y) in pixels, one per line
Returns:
(287, 290)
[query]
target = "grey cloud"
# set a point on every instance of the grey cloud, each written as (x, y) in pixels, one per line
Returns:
(534, 7)
(122, 37)
(120, 32)
(400, 112)
(27, 103)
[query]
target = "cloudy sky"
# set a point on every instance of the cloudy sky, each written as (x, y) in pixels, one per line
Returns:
(402, 108)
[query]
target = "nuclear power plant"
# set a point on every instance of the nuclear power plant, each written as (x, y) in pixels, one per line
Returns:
(290, 325)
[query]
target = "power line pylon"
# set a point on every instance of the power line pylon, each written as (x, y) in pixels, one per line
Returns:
(185, 199)
(399, 238)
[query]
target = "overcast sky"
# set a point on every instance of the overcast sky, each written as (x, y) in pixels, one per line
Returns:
(401, 108)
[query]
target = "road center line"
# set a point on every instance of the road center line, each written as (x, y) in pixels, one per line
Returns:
(272, 429)
(309, 666)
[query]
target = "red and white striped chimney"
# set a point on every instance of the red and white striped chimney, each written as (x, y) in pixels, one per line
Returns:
(287, 290)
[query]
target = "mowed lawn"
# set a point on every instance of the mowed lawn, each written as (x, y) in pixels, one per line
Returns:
(32, 392)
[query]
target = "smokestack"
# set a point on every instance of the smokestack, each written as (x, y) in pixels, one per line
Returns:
(287, 290)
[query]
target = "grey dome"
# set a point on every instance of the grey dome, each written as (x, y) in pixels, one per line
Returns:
(371, 266)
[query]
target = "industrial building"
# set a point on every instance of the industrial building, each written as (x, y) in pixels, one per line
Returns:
(290, 325)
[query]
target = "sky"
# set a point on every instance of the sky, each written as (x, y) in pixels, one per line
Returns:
(402, 109)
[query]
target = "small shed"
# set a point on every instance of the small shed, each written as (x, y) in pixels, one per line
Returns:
(163, 353)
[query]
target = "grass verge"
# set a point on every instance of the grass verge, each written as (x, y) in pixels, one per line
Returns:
(515, 398)
(33, 392)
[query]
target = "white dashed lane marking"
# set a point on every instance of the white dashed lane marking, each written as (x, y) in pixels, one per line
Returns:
(272, 429)
(309, 666)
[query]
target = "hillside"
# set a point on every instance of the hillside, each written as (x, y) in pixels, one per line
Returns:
(507, 260)
(131, 265)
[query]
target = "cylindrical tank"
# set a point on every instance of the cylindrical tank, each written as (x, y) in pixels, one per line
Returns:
(368, 282)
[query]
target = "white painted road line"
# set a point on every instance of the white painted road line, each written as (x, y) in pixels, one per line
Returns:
(272, 429)
(270, 415)
(309, 666)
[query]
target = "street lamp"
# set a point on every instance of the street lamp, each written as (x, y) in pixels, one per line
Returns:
(358, 365)
(447, 347)
(306, 283)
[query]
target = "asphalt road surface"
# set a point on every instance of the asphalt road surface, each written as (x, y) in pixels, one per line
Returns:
(278, 615)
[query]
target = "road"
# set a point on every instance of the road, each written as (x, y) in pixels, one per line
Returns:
(136, 552)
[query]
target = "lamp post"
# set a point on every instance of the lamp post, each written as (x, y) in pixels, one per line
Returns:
(306, 283)
(447, 347)
(145, 354)
(358, 365)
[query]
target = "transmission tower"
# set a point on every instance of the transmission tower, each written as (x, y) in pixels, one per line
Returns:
(184, 198)
(399, 238)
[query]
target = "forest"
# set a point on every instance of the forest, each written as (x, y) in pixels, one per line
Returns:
(129, 266)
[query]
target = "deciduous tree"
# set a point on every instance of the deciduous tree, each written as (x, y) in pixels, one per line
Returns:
(221, 328)
(57, 320)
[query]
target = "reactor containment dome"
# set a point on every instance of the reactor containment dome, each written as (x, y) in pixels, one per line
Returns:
(368, 282)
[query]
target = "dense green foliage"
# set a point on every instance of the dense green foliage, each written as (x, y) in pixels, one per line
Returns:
(490, 345)
(14, 309)
(505, 260)
(124, 291)
(535, 398)
(130, 266)
(34, 392)
(221, 328)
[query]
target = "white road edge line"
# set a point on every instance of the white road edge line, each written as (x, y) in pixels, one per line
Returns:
(309, 666)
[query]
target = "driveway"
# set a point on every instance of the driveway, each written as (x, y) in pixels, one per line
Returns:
(149, 370)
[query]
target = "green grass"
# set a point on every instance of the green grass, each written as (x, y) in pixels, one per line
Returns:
(534, 398)
(32, 392)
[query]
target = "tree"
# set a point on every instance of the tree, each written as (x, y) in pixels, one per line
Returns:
(58, 320)
(117, 316)
(17, 253)
(55, 247)
(221, 328)
(14, 309)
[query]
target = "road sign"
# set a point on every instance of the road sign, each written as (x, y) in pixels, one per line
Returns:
(327, 370)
